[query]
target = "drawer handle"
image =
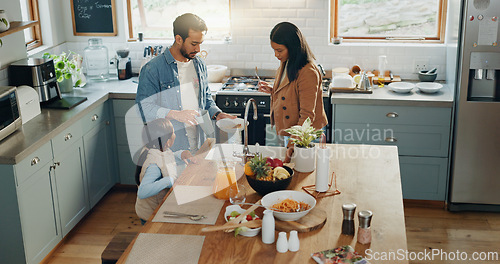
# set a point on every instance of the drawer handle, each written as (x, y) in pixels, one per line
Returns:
(392, 115)
(95, 117)
(53, 166)
(391, 139)
(35, 161)
(68, 137)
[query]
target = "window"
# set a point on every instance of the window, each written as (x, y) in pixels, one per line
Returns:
(421, 20)
(32, 35)
(154, 18)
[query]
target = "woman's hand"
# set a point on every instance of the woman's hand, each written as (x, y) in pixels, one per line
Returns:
(265, 87)
(184, 116)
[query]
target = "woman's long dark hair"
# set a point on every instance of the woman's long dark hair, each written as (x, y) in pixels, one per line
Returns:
(299, 53)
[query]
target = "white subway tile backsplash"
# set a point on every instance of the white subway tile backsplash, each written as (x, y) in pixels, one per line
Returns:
(251, 24)
(287, 13)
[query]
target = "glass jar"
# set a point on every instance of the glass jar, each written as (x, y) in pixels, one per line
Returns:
(96, 60)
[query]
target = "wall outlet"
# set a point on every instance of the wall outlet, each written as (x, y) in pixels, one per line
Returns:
(421, 65)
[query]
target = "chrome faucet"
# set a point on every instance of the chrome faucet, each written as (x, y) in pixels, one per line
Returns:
(246, 152)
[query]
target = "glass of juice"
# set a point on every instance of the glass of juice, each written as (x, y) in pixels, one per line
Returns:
(225, 179)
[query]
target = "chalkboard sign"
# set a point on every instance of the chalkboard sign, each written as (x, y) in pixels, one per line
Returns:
(93, 17)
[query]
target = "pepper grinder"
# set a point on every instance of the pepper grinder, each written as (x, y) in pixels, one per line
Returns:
(364, 231)
(268, 227)
(348, 223)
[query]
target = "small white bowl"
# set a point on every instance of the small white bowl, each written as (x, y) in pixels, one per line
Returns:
(401, 87)
(275, 197)
(250, 232)
(429, 87)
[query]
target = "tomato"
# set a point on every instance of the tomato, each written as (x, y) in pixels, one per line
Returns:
(249, 218)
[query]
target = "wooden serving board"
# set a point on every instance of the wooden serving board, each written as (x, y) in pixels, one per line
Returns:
(350, 90)
(312, 221)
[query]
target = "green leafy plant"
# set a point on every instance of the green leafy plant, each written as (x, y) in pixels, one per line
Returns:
(303, 136)
(67, 67)
(5, 21)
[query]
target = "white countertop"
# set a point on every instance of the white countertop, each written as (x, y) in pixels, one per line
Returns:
(384, 96)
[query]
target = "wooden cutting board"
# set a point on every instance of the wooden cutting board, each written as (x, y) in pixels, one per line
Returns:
(312, 221)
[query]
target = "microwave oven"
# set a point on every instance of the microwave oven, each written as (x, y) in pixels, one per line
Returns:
(10, 117)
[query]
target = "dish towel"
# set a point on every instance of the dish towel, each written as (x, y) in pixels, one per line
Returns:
(165, 248)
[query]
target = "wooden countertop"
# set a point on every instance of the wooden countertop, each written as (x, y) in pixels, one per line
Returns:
(366, 175)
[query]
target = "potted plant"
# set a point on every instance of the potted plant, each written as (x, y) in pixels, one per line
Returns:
(68, 70)
(304, 153)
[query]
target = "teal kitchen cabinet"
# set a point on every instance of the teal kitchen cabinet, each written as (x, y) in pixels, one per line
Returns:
(69, 175)
(99, 152)
(126, 122)
(38, 213)
(422, 135)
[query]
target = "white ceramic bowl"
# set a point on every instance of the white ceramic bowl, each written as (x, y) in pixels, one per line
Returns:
(216, 73)
(275, 197)
(401, 87)
(429, 87)
(250, 232)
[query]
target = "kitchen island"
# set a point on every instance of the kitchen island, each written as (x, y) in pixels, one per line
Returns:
(367, 175)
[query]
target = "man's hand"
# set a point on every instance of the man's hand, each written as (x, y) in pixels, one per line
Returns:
(187, 157)
(265, 87)
(184, 116)
(223, 115)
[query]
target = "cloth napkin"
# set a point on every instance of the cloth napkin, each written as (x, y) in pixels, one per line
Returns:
(165, 248)
(190, 200)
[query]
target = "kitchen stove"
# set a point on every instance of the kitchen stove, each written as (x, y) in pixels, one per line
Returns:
(236, 91)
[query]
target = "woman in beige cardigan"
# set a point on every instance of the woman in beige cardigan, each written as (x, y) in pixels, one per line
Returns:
(297, 92)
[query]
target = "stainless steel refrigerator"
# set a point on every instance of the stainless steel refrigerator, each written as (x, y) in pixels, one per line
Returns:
(475, 152)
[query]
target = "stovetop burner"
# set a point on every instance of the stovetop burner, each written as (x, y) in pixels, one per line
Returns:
(243, 83)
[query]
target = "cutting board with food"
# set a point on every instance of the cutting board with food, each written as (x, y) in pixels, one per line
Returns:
(349, 90)
(388, 77)
(313, 220)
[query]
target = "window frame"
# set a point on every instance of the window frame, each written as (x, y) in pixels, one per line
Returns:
(131, 36)
(36, 32)
(439, 38)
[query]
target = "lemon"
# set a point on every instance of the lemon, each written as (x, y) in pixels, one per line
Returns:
(280, 173)
(357, 78)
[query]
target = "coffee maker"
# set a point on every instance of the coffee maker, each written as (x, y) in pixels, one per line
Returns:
(38, 73)
(123, 64)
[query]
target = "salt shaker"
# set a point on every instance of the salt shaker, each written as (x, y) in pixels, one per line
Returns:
(364, 231)
(348, 223)
(268, 227)
(293, 241)
(282, 243)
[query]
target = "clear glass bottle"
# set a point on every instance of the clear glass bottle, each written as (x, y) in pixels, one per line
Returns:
(364, 231)
(96, 60)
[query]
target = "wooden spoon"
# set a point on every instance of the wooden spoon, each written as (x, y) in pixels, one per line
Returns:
(251, 224)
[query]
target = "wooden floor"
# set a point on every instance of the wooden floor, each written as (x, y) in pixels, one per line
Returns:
(427, 229)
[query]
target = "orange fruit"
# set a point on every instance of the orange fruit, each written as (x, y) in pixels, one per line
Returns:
(248, 170)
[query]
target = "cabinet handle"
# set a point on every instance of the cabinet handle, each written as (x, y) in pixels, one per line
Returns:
(107, 123)
(392, 115)
(95, 117)
(53, 166)
(35, 161)
(68, 137)
(391, 139)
